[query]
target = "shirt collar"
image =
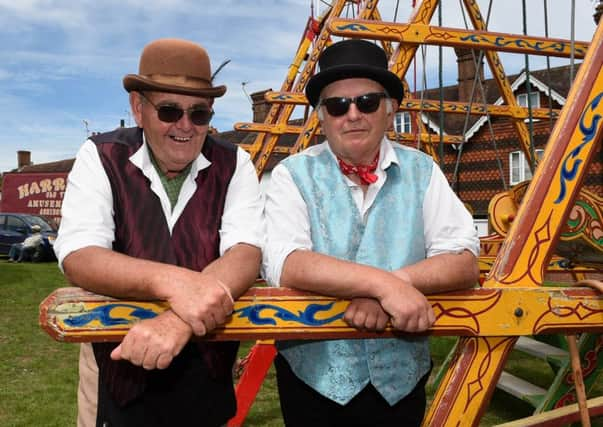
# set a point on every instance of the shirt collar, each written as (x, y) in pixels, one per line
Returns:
(387, 155)
(142, 160)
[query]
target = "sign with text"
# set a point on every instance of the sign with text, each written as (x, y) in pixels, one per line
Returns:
(34, 193)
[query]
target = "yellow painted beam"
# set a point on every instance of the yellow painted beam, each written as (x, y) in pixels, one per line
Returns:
(470, 39)
(75, 315)
(433, 106)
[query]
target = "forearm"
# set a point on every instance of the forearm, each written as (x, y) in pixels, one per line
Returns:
(323, 274)
(409, 309)
(237, 269)
(107, 272)
(442, 273)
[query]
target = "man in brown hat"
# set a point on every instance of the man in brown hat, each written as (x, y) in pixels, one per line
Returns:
(363, 218)
(163, 211)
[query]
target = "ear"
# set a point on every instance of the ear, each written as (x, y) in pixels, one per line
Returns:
(136, 107)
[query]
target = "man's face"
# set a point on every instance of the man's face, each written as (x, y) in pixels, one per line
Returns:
(176, 144)
(355, 136)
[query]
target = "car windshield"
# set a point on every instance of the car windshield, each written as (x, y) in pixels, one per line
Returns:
(38, 220)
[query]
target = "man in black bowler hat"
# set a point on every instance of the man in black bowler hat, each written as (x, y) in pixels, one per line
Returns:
(360, 217)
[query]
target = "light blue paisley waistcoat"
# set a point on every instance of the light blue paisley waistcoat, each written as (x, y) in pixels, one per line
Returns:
(390, 237)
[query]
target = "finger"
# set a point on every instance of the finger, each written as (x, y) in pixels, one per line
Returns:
(359, 320)
(404, 323)
(199, 329)
(431, 316)
(150, 360)
(138, 355)
(125, 347)
(425, 321)
(210, 323)
(116, 353)
(350, 312)
(381, 322)
(164, 361)
(370, 322)
(218, 318)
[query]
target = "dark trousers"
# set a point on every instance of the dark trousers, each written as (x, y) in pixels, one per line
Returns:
(302, 406)
(184, 395)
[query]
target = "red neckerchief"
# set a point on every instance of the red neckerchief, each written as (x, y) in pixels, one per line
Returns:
(364, 172)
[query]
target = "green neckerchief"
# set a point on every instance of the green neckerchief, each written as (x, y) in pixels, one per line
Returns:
(173, 185)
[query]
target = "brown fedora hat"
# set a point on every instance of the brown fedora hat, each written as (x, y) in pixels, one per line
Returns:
(174, 66)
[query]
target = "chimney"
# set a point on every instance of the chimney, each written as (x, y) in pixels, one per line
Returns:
(260, 106)
(598, 12)
(467, 74)
(23, 158)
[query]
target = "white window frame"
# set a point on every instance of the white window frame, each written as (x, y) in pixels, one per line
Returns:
(519, 168)
(522, 99)
(403, 122)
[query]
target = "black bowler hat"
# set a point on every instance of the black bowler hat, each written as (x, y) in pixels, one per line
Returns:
(353, 58)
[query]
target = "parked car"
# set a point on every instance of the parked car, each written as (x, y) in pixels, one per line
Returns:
(16, 227)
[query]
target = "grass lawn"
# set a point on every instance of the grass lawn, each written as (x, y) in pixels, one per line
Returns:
(38, 376)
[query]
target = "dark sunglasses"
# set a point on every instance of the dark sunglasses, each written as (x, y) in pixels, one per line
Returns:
(199, 116)
(367, 103)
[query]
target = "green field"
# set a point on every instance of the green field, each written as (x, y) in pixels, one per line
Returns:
(38, 376)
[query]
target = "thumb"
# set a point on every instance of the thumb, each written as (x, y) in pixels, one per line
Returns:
(116, 353)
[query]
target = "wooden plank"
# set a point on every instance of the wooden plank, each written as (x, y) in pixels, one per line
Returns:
(75, 315)
(279, 129)
(557, 417)
(520, 388)
(433, 106)
(540, 349)
(419, 34)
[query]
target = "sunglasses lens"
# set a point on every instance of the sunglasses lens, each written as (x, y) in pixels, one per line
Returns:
(368, 103)
(169, 114)
(201, 117)
(337, 106)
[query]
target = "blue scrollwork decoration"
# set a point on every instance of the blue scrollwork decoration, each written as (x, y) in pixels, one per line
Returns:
(306, 317)
(103, 315)
(502, 42)
(589, 123)
(353, 27)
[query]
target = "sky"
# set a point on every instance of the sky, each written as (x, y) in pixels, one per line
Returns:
(62, 61)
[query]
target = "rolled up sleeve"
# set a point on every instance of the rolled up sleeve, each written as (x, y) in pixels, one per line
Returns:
(287, 224)
(87, 209)
(242, 219)
(448, 224)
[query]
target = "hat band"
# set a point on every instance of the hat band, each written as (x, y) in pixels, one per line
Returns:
(183, 81)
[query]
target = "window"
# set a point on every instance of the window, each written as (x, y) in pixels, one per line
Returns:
(519, 168)
(481, 225)
(15, 224)
(402, 122)
(522, 99)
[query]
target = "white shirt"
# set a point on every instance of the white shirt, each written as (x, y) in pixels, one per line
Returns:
(448, 226)
(87, 210)
(32, 241)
